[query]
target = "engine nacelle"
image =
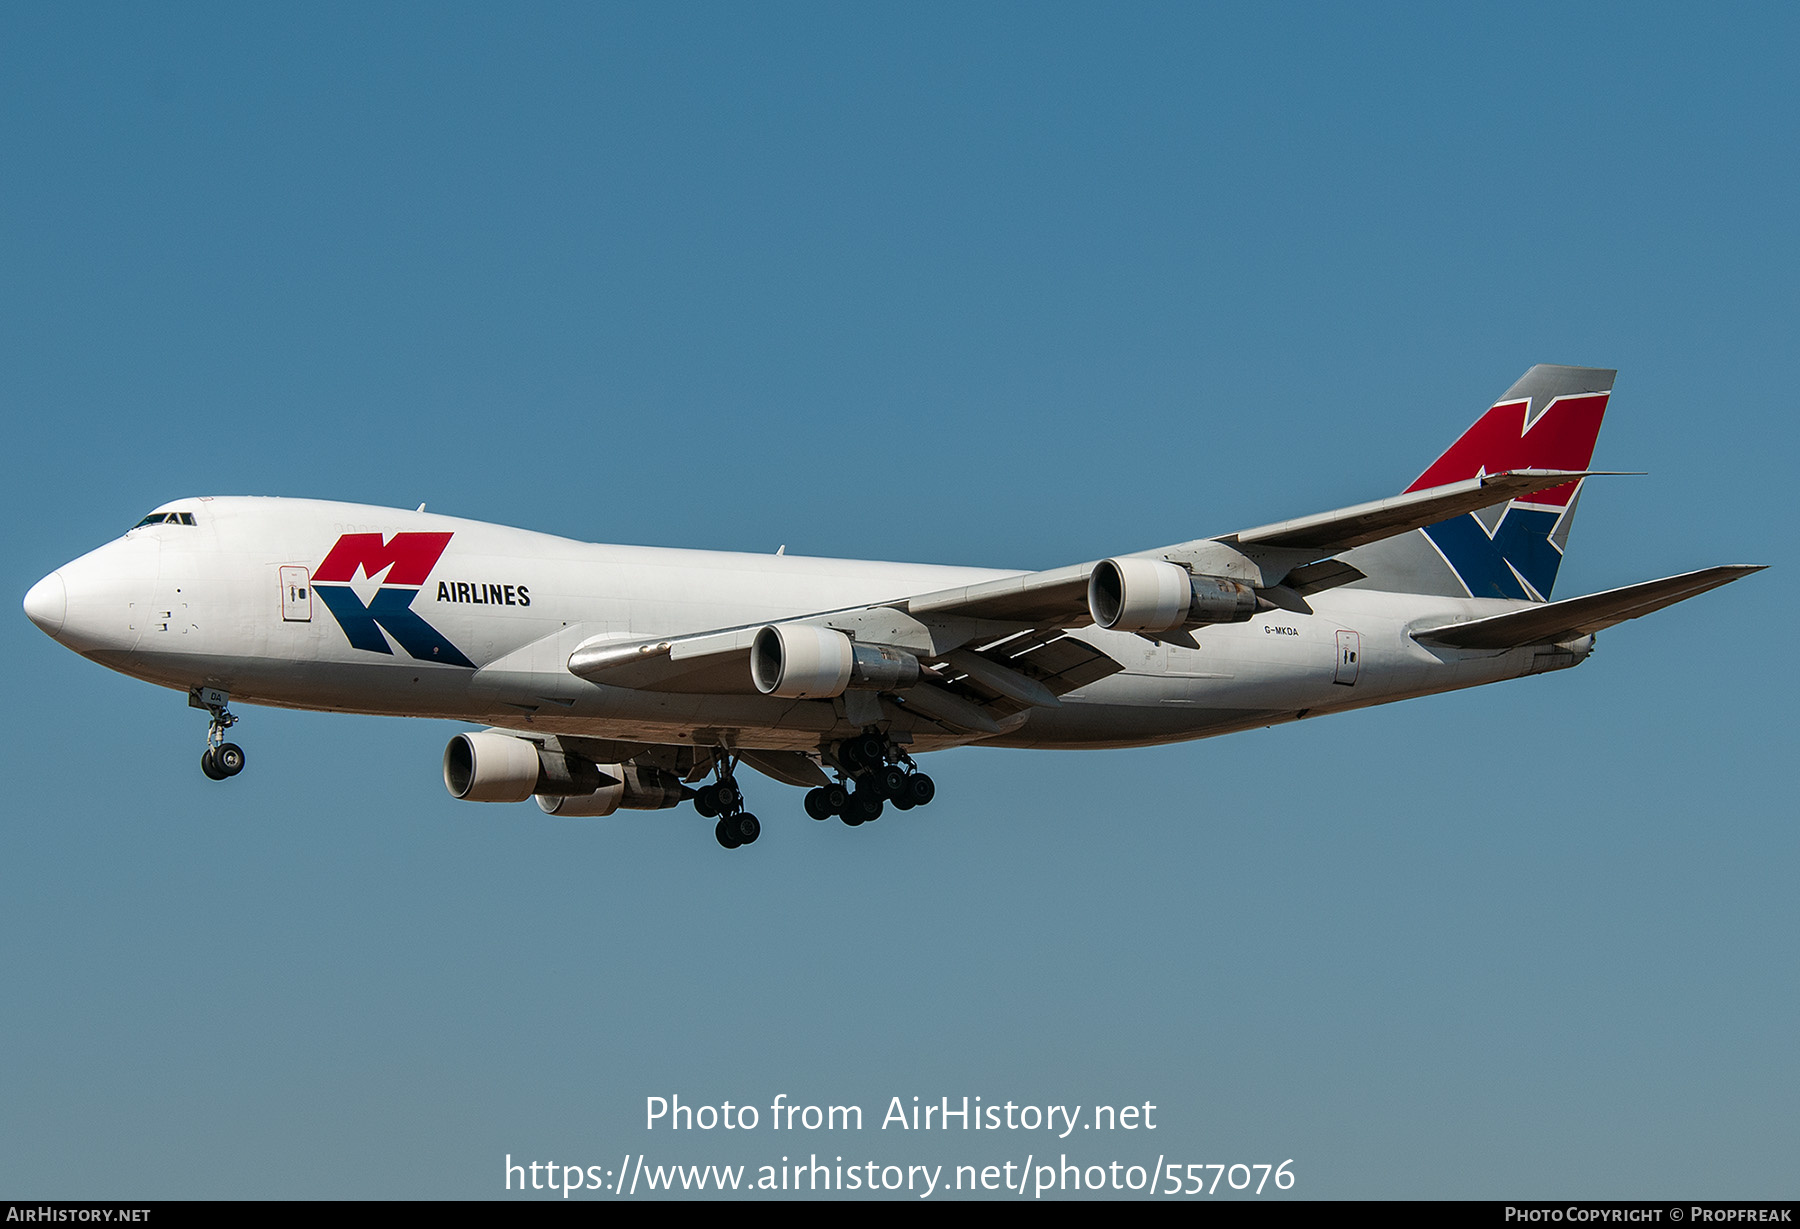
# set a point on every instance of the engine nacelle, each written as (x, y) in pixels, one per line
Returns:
(799, 662)
(494, 767)
(603, 801)
(490, 767)
(1153, 595)
(633, 787)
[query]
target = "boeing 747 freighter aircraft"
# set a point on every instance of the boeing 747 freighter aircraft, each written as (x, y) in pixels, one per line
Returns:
(620, 676)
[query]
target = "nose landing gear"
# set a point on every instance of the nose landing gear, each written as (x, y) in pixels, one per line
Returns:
(220, 759)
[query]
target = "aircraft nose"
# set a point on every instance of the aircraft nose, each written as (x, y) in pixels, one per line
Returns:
(47, 604)
(99, 603)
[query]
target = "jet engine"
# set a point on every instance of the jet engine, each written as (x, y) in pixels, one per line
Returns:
(633, 787)
(805, 663)
(493, 767)
(1152, 595)
(490, 767)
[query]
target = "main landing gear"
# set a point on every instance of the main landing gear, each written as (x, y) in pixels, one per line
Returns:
(736, 826)
(220, 759)
(872, 772)
(880, 772)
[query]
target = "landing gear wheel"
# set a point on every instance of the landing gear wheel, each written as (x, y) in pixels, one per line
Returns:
(728, 797)
(920, 789)
(864, 806)
(868, 750)
(836, 799)
(891, 780)
(228, 758)
(706, 801)
(748, 828)
(816, 804)
(220, 759)
(903, 803)
(727, 837)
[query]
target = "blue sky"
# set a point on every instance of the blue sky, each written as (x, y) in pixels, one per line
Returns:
(1015, 287)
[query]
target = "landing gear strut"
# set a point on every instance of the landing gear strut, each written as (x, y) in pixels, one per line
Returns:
(736, 826)
(220, 759)
(881, 773)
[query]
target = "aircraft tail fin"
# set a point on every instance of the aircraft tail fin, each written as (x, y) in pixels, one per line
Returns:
(1549, 419)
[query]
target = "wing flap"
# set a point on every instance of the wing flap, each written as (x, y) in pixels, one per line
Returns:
(1578, 616)
(1030, 670)
(1059, 661)
(1013, 684)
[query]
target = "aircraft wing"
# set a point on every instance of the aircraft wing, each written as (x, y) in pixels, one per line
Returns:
(993, 649)
(974, 675)
(1060, 595)
(1329, 533)
(1552, 622)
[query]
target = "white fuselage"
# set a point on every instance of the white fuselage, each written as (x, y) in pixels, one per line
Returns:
(229, 601)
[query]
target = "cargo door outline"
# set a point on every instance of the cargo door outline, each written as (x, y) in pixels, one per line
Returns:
(296, 595)
(1349, 658)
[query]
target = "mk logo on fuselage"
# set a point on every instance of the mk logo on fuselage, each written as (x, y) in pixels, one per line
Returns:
(408, 559)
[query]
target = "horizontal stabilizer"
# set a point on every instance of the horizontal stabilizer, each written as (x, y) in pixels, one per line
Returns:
(1578, 616)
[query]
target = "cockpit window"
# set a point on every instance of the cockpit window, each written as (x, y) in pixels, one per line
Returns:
(166, 518)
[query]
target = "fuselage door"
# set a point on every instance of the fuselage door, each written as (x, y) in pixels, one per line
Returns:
(296, 595)
(1349, 654)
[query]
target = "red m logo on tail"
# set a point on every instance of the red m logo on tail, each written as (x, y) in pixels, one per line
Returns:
(1562, 437)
